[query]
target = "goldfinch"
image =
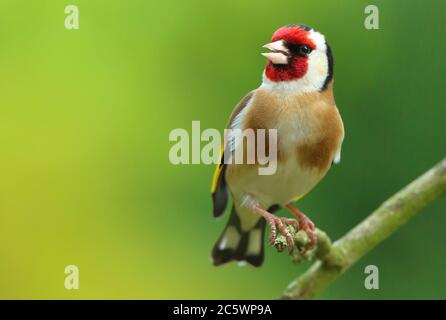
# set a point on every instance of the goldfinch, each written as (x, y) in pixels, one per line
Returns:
(295, 98)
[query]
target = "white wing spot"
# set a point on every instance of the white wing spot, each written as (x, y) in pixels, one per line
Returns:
(337, 157)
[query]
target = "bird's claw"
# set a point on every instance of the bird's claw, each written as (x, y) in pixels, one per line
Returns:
(281, 224)
(308, 226)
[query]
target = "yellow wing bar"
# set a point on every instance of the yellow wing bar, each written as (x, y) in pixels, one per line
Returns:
(217, 171)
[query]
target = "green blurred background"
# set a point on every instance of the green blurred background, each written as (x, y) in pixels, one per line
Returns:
(85, 118)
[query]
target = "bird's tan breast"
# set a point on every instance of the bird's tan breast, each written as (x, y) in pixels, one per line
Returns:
(309, 127)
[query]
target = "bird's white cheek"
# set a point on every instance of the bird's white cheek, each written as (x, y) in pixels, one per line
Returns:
(317, 70)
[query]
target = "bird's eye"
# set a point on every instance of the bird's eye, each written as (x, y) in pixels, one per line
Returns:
(304, 50)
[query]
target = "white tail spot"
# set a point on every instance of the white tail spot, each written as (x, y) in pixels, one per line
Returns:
(255, 242)
(230, 239)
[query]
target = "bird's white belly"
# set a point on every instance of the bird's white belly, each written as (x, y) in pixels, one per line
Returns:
(289, 182)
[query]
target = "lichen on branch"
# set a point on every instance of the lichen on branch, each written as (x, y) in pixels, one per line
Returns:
(301, 240)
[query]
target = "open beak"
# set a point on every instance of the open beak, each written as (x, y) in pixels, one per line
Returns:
(279, 53)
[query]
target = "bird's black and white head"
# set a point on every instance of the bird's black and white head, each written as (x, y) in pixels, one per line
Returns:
(299, 59)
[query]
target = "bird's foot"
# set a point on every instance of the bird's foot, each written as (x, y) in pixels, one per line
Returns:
(281, 224)
(306, 225)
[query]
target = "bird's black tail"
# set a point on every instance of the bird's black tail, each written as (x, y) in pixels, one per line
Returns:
(237, 245)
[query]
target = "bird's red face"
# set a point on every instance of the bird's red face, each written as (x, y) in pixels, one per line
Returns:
(290, 48)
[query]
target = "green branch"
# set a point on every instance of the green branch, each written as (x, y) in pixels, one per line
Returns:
(333, 260)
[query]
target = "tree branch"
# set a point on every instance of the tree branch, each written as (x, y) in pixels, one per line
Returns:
(393, 213)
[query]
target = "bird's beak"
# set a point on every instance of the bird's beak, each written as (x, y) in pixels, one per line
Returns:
(279, 53)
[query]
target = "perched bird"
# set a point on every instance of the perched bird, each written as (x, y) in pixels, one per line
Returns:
(295, 98)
